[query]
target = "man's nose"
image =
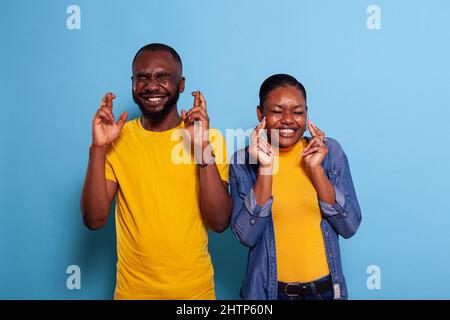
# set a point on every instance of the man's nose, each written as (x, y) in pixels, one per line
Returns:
(152, 84)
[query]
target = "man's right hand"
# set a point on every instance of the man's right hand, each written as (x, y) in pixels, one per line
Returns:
(104, 129)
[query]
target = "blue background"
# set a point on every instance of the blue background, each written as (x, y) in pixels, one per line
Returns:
(383, 94)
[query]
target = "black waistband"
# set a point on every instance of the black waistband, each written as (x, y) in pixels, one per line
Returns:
(303, 289)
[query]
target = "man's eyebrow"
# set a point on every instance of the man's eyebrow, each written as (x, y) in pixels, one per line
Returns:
(298, 106)
(163, 72)
(142, 73)
(157, 73)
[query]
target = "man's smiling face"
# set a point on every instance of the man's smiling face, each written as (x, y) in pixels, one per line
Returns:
(157, 83)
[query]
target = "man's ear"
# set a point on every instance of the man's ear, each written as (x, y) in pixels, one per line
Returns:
(259, 113)
(181, 85)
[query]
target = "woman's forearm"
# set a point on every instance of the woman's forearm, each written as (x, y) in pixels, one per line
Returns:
(323, 186)
(263, 186)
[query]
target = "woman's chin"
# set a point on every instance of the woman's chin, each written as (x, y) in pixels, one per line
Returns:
(288, 142)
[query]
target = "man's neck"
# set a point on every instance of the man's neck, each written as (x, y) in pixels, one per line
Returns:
(172, 120)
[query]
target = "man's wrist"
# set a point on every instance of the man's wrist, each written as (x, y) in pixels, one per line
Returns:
(205, 145)
(208, 156)
(207, 162)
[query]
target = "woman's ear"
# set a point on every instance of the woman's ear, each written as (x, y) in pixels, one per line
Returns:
(259, 113)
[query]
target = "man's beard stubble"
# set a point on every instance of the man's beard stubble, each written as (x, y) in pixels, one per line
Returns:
(162, 114)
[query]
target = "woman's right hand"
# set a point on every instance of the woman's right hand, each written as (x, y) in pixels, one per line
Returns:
(104, 129)
(260, 149)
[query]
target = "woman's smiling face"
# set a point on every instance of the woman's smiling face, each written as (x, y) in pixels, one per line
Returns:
(286, 113)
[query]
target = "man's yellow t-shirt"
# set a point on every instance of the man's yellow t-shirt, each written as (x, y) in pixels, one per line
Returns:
(300, 248)
(162, 242)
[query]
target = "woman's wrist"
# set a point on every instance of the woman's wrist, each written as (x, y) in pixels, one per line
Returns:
(317, 171)
(265, 170)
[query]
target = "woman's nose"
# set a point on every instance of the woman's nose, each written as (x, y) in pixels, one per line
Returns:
(287, 118)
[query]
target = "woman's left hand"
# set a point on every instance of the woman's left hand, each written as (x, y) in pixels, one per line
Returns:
(316, 150)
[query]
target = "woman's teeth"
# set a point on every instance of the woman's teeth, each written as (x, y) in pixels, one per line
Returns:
(287, 132)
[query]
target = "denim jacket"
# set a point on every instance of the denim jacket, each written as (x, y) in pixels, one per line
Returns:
(253, 225)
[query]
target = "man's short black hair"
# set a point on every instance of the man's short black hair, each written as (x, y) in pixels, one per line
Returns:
(154, 47)
(278, 80)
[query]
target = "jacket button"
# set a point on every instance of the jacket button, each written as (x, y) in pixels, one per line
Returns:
(252, 221)
(344, 214)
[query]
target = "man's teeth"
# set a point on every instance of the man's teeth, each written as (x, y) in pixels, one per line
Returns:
(154, 99)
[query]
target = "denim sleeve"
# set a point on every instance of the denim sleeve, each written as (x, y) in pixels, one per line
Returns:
(248, 220)
(345, 214)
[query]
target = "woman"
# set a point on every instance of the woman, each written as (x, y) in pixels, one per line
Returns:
(293, 202)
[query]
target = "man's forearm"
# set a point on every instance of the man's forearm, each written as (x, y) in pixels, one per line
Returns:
(94, 199)
(215, 202)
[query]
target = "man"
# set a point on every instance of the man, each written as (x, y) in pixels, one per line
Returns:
(163, 207)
